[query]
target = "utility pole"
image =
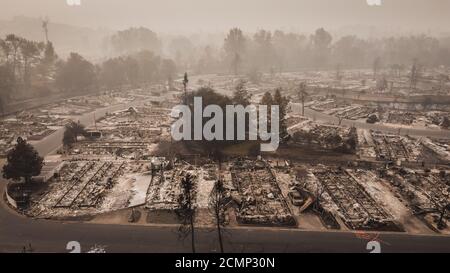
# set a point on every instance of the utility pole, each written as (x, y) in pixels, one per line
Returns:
(185, 83)
(45, 27)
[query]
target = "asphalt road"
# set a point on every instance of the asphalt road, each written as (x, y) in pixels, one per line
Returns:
(52, 236)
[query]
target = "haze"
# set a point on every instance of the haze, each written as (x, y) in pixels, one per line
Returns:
(218, 15)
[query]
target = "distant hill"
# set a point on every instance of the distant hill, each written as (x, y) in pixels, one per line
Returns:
(66, 38)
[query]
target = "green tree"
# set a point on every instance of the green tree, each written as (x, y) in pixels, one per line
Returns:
(11, 46)
(46, 67)
(288, 49)
(264, 51)
(211, 97)
(50, 56)
(6, 84)
(71, 133)
(134, 40)
(168, 70)
(113, 74)
(241, 95)
(149, 65)
(321, 43)
(282, 102)
(76, 74)
(31, 53)
(132, 70)
(23, 161)
(349, 51)
(234, 46)
(267, 99)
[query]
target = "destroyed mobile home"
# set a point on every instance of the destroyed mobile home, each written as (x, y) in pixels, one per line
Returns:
(341, 193)
(427, 192)
(36, 124)
(129, 133)
(260, 198)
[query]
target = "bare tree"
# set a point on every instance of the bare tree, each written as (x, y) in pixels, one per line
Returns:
(186, 209)
(217, 207)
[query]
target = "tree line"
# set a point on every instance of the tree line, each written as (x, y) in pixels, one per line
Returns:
(32, 69)
(278, 51)
(281, 51)
(141, 57)
(263, 51)
(25, 64)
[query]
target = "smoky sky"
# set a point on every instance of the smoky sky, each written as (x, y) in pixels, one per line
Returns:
(219, 15)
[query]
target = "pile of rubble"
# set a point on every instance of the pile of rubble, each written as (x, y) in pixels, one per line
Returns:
(340, 192)
(396, 148)
(103, 100)
(429, 119)
(131, 133)
(85, 187)
(426, 191)
(261, 199)
(165, 187)
(134, 124)
(329, 137)
(38, 123)
(340, 109)
(124, 150)
(30, 125)
(398, 117)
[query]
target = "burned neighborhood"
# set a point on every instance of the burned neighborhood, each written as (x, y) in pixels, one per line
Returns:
(350, 135)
